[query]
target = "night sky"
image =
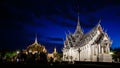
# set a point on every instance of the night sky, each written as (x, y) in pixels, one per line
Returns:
(21, 20)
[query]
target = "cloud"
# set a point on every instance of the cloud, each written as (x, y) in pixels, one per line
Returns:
(86, 25)
(61, 21)
(50, 46)
(55, 39)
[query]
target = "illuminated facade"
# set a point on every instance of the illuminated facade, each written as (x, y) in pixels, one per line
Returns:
(36, 47)
(93, 46)
(52, 55)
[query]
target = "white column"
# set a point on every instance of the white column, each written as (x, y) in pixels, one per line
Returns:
(99, 48)
(91, 52)
(63, 57)
(108, 49)
(70, 55)
(93, 47)
(102, 50)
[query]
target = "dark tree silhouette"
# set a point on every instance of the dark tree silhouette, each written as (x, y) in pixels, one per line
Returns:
(43, 58)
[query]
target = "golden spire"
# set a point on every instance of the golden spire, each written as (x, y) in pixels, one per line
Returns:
(55, 50)
(36, 39)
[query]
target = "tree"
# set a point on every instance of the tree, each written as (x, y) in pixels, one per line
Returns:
(43, 57)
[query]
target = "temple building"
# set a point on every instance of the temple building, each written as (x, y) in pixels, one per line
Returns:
(92, 46)
(53, 55)
(36, 47)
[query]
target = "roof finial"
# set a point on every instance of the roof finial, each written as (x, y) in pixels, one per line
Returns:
(78, 19)
(106, 31)
(69, 32)
(98, 24)
(99, 21)
(36, 39)
(78, 27)
(65, 33)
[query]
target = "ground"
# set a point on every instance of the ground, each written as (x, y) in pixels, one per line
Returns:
(63, 64)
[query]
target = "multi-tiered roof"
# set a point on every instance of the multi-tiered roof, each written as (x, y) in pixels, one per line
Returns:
(81, 39)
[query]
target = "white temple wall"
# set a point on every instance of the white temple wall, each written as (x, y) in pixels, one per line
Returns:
(89, 52)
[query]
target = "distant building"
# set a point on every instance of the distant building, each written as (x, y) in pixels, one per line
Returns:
(53, 55)
(36, 47)
(92, 46)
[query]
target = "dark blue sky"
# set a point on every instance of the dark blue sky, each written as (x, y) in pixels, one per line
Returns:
(50, 19)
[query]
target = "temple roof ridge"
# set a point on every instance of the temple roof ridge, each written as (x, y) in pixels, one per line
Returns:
(78, 28)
